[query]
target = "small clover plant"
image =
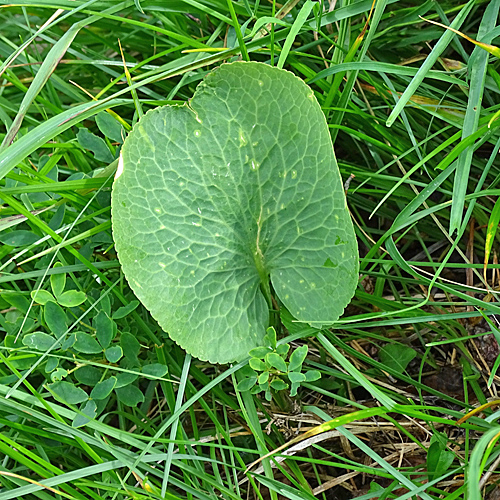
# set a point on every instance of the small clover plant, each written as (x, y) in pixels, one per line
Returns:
(269, 372)
(229, 204)
(86, 361)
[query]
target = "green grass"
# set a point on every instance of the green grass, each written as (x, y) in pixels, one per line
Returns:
(409, 356)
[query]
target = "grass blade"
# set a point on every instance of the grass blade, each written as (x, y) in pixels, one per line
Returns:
(491, 232)
(354, 372)
(18, 151)
(392, 69)
(429, 62)
(478, 64)
(294, 31)
(47, 68)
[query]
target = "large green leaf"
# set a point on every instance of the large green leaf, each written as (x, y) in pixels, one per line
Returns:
(214, 198)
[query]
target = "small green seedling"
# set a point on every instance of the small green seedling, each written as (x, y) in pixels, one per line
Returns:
(439, 458)
(270, 372)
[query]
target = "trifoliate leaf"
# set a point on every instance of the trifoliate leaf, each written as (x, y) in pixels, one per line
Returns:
(297, 358)
(18, 238)
(109, 126)
(58, 281)
(103, 329)
(276, 361)
(89, 411)
(155, 370)
(125, 310)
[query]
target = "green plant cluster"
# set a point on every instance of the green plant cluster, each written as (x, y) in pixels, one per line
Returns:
(412, 112)
(90, 345)
(269, 372)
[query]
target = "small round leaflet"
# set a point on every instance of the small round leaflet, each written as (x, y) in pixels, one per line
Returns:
(217, 198)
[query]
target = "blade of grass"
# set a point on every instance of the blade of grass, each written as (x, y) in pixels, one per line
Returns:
(46, 69)
(175, 424)
(49, 65)
(490, 233)
(478, 63)
(380, 396)
(50, 23)
(300, 20)
(478, 461)
(429, 62)
(338, 116)
(392, 69)
(237, 29)
(20, 149)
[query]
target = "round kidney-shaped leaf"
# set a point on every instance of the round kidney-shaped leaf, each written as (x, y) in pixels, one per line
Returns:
(215, 198)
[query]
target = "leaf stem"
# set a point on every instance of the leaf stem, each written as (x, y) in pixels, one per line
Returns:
(258, 257)
(264, 277)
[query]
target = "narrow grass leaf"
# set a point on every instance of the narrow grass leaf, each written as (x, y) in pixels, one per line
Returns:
(48, 66)
(355, 373)
(133, 90)
(479, 63)
(347, 11)
(477, 464)
(50, 23)
(381, 67)
(175, 423)
(492, 49)
(14, 220)
(429, 62)
(294, 31)
(17, 152)
(286, 491)
(325, 427)
(407, 483)
(237, 29)
(342, 105)
(491, 231)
